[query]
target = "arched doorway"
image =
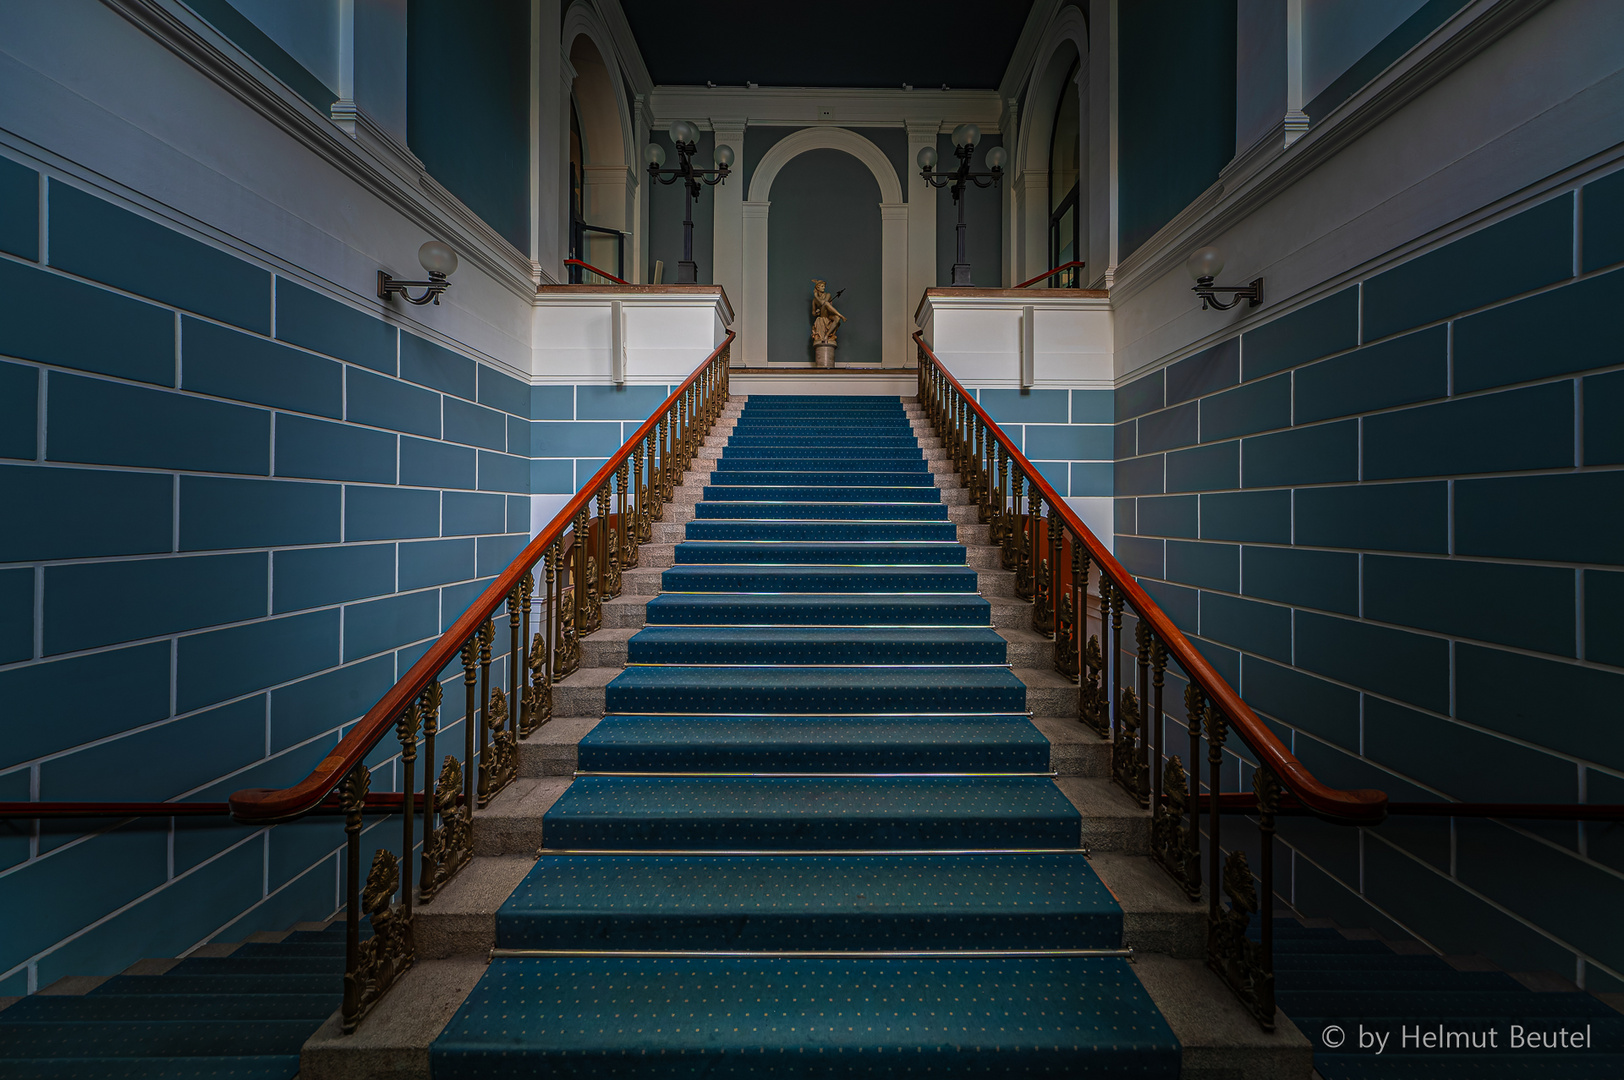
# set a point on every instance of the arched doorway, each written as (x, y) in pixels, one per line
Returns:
(602, 186)
(1052, 197)
(756, 307)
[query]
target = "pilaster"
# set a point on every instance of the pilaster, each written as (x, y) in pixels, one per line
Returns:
(728, 232)
(921, 222)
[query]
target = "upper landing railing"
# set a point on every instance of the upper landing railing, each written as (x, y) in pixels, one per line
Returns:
(1052, 556)
(581, 558)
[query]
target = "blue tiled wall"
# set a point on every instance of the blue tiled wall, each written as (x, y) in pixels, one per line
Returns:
(574, 429)
(1066, 434)
(236, 511)
(1394, 518)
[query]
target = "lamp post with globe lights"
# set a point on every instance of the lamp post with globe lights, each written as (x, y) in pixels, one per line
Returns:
(964, 145)
(684, 136)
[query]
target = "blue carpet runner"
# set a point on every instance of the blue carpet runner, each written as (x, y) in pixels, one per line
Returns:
(1336, 990)
(243, 1017)
(817, 745)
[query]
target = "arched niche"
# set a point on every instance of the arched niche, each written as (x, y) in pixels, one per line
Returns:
(893, 240)
(608, 183)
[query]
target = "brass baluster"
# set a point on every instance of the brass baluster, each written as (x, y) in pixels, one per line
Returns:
(539, 699)
(645, 527)
(566, 647)
(588, 608)
(608, 547)
(487, 635)
(1092, 707)
(1143, 638)
(1247, 966)
(1116, 646)
(1071, 614)
(1158, 720)
(1013, 526)
(629, 538)
(1045, 570)
(664, 446)
(1175, 842)
(353, 795)
(452, 846)
(1217, 730)
(515, 688)
(406, 733)
(431, 728)
(527, 703)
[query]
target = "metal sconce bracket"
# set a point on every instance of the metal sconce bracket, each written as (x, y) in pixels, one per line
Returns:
(1204, 288)
(437, 284)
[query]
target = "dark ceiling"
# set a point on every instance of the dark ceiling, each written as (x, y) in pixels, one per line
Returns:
(871, 43)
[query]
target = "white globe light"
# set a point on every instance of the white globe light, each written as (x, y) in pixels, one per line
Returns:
(996, 157)
(724, 156)
(437, 258)
(681, 131)
(966, 135)
(1206, 262)
(654, 154)
(927, 157)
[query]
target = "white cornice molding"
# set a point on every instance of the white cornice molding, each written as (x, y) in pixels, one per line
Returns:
(427, 203)
(797, 106)
(1270, 166)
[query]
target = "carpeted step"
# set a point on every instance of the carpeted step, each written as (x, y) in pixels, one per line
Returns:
(850, 902)
(819, 531)
(333, 947)
(826, 552)
(819, 609)
(790, 689)
(887, 456)
(855, 440)
(816, 645)
(244, 1005)
(915, 465)
(94, 1039)
(1442, 979)
(259, 965)
(820, 478)
(219, 984)
(257, 1067)
(814, 511)
(737, 1017)
(869, 495)
(847, 743)
(811, 813)
(1337, 962)
(822, 579)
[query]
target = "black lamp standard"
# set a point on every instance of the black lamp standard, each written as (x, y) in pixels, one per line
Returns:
(964, 143)
(684, 136)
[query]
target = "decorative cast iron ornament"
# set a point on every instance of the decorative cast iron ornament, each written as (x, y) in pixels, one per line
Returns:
(684, 136)
(964, 145)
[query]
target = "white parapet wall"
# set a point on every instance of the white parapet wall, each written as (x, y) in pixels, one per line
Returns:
(602, 360)
(1048, 382)
(666, 330)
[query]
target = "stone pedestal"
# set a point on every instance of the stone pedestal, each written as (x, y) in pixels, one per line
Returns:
(823, 356)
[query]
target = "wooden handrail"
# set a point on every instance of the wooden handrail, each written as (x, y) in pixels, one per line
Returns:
(595, 270)
(1354, 807)
(383, 802)
(269, 805)
(1051, 273)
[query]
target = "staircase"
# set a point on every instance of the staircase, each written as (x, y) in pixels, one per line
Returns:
(803, 736)
(240, 1010)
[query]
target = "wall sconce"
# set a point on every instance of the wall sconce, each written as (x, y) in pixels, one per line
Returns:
(1205, 265)
(439, 260)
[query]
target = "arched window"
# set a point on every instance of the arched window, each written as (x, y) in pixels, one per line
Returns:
(1064, 212)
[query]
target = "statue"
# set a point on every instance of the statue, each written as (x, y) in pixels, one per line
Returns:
(825, 321)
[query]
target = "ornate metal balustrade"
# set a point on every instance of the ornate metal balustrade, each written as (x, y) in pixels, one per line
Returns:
(1055, 558)
(561, 581)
